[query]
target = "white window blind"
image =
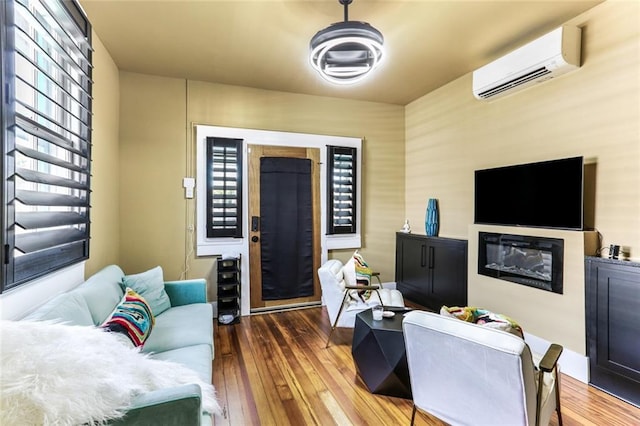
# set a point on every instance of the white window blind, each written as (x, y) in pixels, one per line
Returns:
(46, 137)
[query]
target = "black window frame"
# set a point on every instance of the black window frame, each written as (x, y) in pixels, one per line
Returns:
(337, 155)
(225, 207)
(46, 137)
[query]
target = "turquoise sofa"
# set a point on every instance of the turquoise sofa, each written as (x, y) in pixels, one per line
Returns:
(182, 334)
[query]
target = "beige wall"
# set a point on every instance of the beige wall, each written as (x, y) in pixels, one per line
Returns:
(152, 165)
(155, 147)
(593, 112)
(105, 169)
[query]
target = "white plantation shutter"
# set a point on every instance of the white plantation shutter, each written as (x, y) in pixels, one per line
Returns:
(341, 194)
(47, 68)
(224, 187)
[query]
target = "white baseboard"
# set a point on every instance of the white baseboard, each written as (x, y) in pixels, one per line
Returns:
(571, 363)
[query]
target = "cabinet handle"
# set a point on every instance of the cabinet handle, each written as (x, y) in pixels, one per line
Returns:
(423, 256)
(431, 254)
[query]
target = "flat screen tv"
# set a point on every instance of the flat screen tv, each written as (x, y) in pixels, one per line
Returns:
(547, 194)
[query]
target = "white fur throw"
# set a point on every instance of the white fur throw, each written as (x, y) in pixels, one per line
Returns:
(70, 375)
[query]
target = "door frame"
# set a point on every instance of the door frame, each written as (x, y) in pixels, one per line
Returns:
(215, 247)
(256, 152)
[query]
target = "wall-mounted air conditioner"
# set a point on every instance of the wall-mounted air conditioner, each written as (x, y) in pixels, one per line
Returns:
(549, 56)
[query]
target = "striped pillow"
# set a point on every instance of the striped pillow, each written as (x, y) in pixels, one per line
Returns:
(356, 269)
(132, 317)
(363, 272)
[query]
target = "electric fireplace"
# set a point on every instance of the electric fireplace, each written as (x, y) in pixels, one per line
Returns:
(531, 261)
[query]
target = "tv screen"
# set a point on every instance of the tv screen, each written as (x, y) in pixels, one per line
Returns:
(546, 194)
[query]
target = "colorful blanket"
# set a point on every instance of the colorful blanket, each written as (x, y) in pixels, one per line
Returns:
(483, 317)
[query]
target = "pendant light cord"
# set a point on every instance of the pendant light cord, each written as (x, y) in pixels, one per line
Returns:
(346, 4)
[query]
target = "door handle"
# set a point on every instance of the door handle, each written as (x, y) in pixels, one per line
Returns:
(431, 255)
(423, 255)
(255, 224)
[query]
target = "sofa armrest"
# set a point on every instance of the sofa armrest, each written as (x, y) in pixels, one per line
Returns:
(186, 292)
(180, 405)
(361, 287)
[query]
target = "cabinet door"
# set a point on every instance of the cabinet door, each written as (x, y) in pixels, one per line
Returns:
(414, 263)
(613, 321)
(447, 263)
(411, 268)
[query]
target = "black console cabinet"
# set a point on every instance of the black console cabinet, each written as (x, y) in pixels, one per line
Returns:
(431, 271)
(613, 326)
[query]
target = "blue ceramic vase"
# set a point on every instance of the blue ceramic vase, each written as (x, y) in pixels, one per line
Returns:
(431, 218)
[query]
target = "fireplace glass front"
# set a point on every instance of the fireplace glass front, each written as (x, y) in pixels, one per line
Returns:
(531, 261)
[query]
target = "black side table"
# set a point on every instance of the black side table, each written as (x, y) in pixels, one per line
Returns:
(379, 353)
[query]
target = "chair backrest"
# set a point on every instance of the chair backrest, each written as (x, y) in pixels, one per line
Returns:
(466, 374)
(330, 275)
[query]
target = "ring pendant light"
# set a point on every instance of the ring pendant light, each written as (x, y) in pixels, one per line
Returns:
(346, 52)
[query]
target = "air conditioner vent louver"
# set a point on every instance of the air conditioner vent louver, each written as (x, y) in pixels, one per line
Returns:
(549, 56)
(514, 83)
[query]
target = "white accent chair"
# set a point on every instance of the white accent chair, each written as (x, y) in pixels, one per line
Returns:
(467, 374)
(341, 308)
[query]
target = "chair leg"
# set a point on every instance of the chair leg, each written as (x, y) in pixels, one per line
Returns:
(539, 396)
(377, 275)
(379, 298)
(413, 414)
(557, 377)
(335, 323)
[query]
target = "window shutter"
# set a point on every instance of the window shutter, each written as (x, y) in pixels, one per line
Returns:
(224, 187)
(341, 203)
(47, 138)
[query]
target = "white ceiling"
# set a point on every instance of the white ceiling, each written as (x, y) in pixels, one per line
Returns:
(265, 43)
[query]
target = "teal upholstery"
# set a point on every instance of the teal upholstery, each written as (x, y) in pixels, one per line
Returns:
(150, 285)
(183, 333)
(168, 407)
(196, 357)
(68, 307)
(103, 291)
(182, 326)
(186, 292)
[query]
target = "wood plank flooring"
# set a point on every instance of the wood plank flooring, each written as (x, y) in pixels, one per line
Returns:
(273, 369)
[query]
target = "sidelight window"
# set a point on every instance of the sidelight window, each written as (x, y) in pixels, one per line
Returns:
(224, 187)
(341, 190)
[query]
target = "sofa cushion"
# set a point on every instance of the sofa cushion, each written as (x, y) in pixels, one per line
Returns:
(182, 326)
(132, 318)
(150, 284)
(103, 292)
(197, 358)
(68, 307)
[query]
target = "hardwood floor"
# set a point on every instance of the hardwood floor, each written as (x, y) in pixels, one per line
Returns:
(273, 369)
